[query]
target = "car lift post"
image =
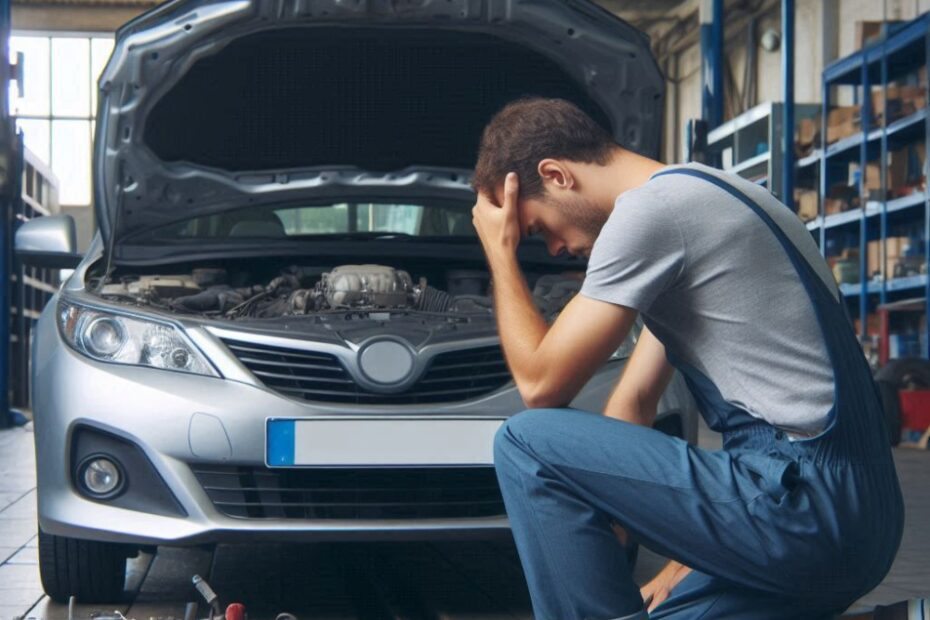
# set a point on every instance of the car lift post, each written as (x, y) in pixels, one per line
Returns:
(7, 170)
(711, 17)
(787, 124)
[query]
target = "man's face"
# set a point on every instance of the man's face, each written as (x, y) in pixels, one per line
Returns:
(568, 223)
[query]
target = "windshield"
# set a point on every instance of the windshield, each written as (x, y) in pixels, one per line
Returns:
(343, 218)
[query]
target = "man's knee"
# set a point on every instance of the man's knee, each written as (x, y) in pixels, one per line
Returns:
(522, 430)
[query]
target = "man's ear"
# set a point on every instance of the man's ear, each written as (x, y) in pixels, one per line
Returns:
(556, 173)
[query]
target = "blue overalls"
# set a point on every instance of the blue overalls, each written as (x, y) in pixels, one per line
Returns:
(773, 528)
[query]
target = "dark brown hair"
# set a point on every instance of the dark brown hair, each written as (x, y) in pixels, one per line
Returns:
(531, 129)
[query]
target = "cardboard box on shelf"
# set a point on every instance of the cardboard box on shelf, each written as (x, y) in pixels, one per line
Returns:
(841, 197)
(879, 103)
(895, 245)
(894, 248)
(871, 31)
(806, 135)
(874, 258)
(806, 202)
(897, 174)
(843, 114)
(873, 180)
(914, 97)
(901, 101)
(833, 205)
(842, 121)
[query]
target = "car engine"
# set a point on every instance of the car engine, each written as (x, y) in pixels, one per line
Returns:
(311, 290)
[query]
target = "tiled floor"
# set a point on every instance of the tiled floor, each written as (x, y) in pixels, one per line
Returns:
(161, 585)
(19, 583)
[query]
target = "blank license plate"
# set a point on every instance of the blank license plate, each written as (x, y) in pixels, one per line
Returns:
(371, 442)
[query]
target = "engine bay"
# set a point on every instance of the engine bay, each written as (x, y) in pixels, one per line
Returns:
(308, 290)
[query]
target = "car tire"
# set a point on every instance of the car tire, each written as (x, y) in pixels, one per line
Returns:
(89, 570)
(888, 393)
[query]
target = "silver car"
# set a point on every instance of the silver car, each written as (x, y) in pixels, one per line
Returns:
(283, 329)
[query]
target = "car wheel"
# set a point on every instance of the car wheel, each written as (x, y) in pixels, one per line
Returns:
(888, 392)
(89, 570)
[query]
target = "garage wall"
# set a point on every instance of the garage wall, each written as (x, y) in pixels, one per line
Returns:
(75, 16)
(682, 68)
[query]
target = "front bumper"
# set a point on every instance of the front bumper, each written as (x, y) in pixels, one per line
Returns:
(179, 421)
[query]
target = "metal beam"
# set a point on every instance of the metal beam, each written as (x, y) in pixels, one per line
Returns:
(787, 76)
(829, 31)
(7, 168)
(711, 17)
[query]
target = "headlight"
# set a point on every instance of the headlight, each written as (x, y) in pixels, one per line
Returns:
(123, 339)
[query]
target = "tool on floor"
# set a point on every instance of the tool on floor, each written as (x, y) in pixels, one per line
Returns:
(208, 595)
(116, 615)
(234, 611)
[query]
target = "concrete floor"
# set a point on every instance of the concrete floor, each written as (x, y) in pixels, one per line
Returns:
(394, 580)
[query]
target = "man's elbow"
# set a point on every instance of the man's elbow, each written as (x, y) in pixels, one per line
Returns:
(539, 396)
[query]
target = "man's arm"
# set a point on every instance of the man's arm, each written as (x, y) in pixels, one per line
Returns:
(636, 400)
(645, 377)
(550, 365)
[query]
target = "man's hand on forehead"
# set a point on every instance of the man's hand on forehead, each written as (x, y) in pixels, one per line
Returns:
(500, 194)
(497, 221)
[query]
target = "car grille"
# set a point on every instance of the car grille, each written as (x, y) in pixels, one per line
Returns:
(396, 493)
(451, 376)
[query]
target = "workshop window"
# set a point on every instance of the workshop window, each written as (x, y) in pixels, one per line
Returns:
(59, 104)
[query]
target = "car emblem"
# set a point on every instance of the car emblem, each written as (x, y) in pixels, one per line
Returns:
(386, 362)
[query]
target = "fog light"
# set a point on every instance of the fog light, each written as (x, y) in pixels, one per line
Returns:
(100, 476)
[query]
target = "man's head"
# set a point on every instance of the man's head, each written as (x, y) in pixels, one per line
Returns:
(547, 142)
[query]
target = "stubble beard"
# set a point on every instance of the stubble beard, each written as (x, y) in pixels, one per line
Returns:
(583, 215)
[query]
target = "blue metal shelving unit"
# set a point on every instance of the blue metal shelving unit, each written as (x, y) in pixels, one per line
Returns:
(904, 50)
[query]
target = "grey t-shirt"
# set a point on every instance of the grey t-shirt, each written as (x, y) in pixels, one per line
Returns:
(714, 284)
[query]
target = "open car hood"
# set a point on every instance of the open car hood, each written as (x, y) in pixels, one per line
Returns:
(213, 105)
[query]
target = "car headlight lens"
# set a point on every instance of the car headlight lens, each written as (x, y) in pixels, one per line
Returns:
(127, 340)
(103, 337)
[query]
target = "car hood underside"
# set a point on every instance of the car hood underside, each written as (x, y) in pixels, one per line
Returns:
(215, 105)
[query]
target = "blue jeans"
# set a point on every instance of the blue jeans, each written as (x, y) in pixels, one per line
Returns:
(772, 528)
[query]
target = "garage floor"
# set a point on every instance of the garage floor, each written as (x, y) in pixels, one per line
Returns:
(384, 581)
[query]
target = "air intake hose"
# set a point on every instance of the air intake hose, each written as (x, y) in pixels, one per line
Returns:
(433, 300)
